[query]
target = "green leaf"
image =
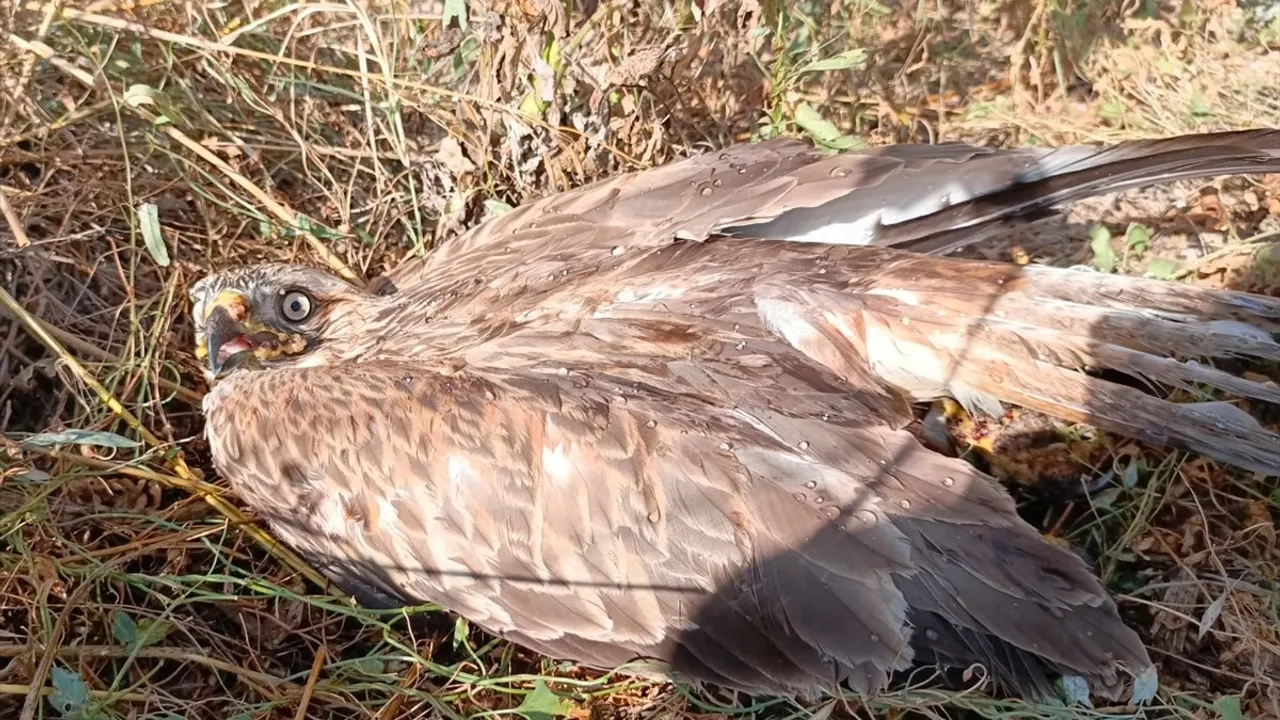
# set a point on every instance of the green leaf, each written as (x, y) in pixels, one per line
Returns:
(1076, 690)
(1136, 237)
(1145, 686)
(531, 106)
(1104, 256)
(152, 631)
(1129, 478)
(124, 629)
(96, 438)
(455, 9)
(369, 666)
(461, 629)
(823, 131)
(493, 207)
(1106, 499)
(149, 224)
(318, 230)
(1163, 268)
(1198, 106)
(844, 61)
(70, 695)
(1228, 707)
(166, 112)
(1112, 109)
(542, 704)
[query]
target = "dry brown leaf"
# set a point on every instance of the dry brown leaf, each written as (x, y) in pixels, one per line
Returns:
(1258, 527)
(451, 156)
(1271, 183)
(1211, 212)
(636, 67)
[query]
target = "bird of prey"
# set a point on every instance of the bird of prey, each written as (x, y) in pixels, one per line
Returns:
(666, 416)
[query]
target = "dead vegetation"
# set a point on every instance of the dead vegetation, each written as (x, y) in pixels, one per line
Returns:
(142, 143)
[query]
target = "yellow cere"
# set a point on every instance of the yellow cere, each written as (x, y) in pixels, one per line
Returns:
(240, 310)
(233, 302)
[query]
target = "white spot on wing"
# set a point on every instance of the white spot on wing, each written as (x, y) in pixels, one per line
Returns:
(331, 516)
(859, 232)
(782, 319)
(649, 294)
(926, 204)
(460, 471)
(388, 516)
(556, 464)
(862, 230)
(908, 297)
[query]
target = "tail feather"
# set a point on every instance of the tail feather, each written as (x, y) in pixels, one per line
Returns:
(988, 333)
(964, 285)
(1128, 411)
(998, 341)
(1168, 299)
(1135, 330)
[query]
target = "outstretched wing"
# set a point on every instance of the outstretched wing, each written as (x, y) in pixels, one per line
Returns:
(600, 519)
(922, 197)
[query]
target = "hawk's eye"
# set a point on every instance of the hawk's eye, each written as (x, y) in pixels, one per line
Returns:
(295, 306)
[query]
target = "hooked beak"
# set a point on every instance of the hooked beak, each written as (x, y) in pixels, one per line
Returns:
(232, 336)
(225, 335)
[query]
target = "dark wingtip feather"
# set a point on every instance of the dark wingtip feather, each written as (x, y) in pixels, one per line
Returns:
(1074, 173)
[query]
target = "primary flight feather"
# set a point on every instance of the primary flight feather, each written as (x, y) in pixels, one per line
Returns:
(663, 416)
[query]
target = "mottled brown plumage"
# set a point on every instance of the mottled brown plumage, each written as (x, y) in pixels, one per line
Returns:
(663, 416)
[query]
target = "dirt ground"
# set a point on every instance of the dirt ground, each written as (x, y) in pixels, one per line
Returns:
(144, 143)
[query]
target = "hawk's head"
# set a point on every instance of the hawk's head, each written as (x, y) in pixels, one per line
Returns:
(257, 315)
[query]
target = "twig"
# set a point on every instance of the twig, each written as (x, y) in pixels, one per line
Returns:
(310, 687)
(46, 53)
(157, 653)
(15, 225)
(11, 689)
(408, 680)
(24, 76)
(195, 486)
(1249, 243)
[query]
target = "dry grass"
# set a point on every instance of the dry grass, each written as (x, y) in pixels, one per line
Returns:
(353, 134)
